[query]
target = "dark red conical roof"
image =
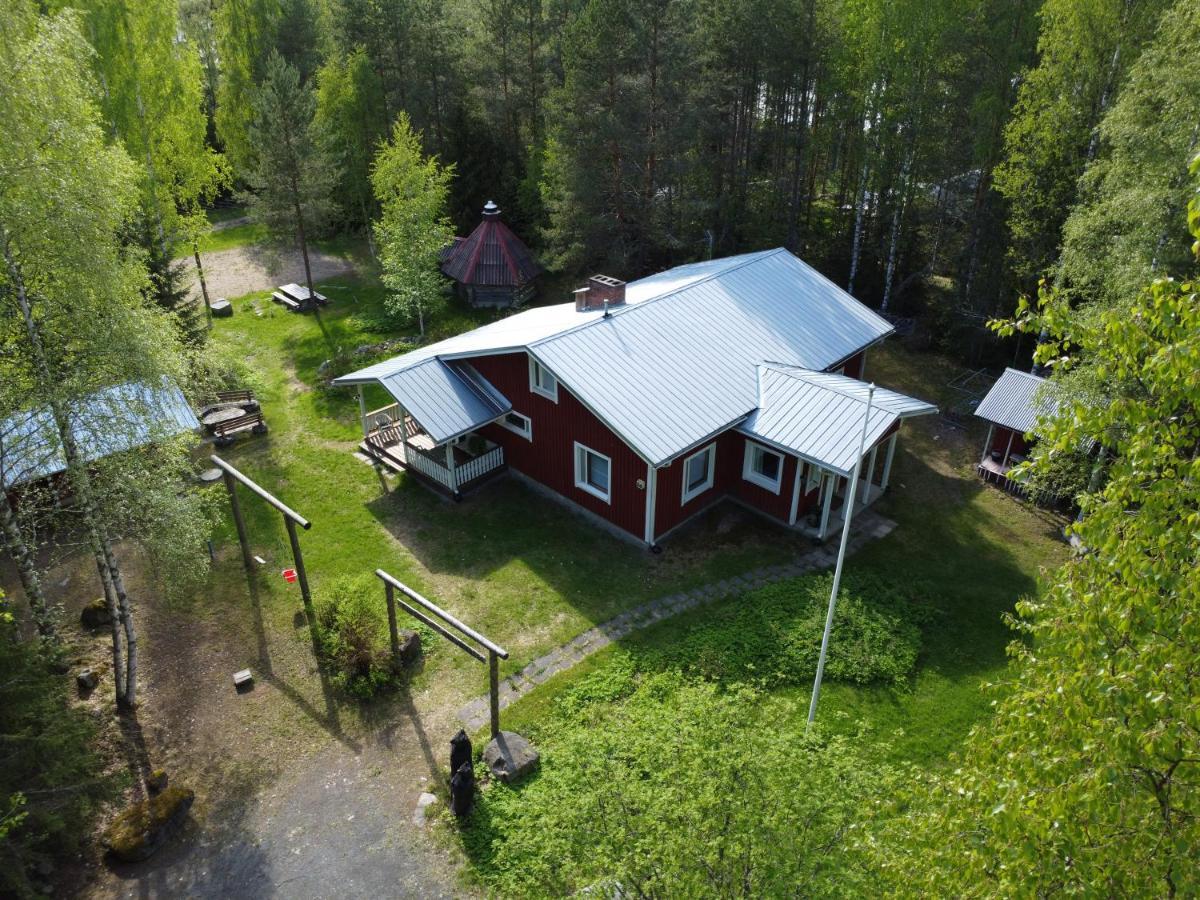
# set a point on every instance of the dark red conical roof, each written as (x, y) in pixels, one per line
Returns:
(491, 255)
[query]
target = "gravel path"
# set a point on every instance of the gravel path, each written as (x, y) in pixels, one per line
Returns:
(868, 526)
(242, 270)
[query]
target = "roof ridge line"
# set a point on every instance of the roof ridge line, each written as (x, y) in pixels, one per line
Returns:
(625, 309)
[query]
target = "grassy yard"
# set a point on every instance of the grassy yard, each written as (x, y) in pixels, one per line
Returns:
(233, 236)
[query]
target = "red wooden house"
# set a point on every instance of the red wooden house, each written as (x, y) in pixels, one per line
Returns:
(1012, 408)
(644, 403)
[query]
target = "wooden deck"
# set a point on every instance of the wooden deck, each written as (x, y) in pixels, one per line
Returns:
(428, 462)
(997, 473)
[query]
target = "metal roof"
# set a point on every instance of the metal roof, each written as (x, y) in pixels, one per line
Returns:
(109, 421)
(1015, 401)
(678, 362)
(448, 400)
(818, 416)
(491, 255)
(673, 370)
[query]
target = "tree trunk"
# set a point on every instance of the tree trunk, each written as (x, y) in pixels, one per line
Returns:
(203, 286)
(31, 582)
(76, 468)
(114, 622)
(129, 699)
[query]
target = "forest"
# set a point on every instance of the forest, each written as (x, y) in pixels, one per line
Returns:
(1008, 182)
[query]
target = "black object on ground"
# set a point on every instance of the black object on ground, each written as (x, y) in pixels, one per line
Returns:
(460, 751)
(462, 790)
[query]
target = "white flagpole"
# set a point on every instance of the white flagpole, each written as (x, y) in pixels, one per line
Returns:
(837, 571)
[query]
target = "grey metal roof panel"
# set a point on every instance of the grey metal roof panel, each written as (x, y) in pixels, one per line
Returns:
(819, 416)
(444, 399)
(111, 420)
(677, 368)
(1014, 401)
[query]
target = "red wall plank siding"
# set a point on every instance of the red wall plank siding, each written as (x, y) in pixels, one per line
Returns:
(550, 457)
(669, 512)
(854, 365)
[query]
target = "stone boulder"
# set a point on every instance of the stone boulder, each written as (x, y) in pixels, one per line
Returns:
(96, 614)
(510, 757)
(87, 679)
(145, 826)
(410, 647)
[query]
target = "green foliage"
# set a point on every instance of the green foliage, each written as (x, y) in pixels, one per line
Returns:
(1123, 230)
(48, 769)
(413, 228)
(772, 636)
(1085, 781)
(292, 182)
(678, 789)
(353, 625)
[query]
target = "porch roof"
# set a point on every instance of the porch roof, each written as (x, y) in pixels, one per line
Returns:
(447, 399)
(1017, 401)
(818, 416)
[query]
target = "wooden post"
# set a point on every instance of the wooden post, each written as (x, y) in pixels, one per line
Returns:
(299, 560)
(796, 492)
(362, 411)
(987, 445)
(887, 462)
(870, 479)
(231, 486)
(494, 691)
(1008, 449)
(450, 468)
(830, 487)
(390, 594)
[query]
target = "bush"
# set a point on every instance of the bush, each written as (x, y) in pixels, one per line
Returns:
(772, 636)
(353, 627)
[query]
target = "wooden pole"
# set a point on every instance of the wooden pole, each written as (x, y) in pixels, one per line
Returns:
(298, 558)
(362, 411)
(830, 489)
(494, 691)
(390, 594)
(887, 462)
(231, 486)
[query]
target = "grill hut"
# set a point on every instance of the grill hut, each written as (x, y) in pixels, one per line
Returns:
(491, 267)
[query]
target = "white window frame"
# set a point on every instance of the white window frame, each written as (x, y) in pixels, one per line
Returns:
(526, 432)
(687, 494)
(549, 393)
(581, 481)
(754, 477)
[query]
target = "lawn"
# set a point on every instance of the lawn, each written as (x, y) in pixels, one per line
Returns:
(233, 236)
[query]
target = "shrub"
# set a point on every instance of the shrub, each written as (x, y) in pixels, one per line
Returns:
(773, 635)
(353, 627)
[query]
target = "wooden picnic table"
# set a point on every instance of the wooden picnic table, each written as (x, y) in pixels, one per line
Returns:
(225, 414)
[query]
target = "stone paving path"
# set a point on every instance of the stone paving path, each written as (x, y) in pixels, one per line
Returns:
(868, 526)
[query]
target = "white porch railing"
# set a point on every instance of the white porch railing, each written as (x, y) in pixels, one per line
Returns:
(428, 467)
(480, 465)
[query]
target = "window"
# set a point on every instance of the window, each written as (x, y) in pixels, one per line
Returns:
(542, 380)
(522, 425)
(763, 467)
(592, 472)
(698, 473)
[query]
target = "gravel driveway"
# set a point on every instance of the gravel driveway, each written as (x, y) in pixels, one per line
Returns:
(243, 270)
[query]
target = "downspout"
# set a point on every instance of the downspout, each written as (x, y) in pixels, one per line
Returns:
(651, 506)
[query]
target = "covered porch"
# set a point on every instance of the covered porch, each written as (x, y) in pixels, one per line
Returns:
(395, 439)
(828, 514)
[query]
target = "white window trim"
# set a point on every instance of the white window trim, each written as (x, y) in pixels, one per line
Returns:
(526, 432)
(581, 481)
(687, 495)
(748, 473)
(536, 388)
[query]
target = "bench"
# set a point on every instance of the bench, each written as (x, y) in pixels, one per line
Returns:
(286, 301)
(226, 431)
(301, 296)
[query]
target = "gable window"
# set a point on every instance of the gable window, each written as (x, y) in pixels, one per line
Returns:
(542, 380)
(522, 425)
(698, 473)
(763, 467)
(593, 472)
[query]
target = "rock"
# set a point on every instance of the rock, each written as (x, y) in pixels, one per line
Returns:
(460, 750)
(462, 791)
(87, 679)
(510, 757)
(410, 647)
(423, 803)
(96, 614)
(157, 782)
(144, 827)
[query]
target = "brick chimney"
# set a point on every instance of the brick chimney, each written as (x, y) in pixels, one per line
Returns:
(599, 289)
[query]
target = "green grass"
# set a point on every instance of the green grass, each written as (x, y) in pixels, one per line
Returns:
(220, 214)
(234, 236)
